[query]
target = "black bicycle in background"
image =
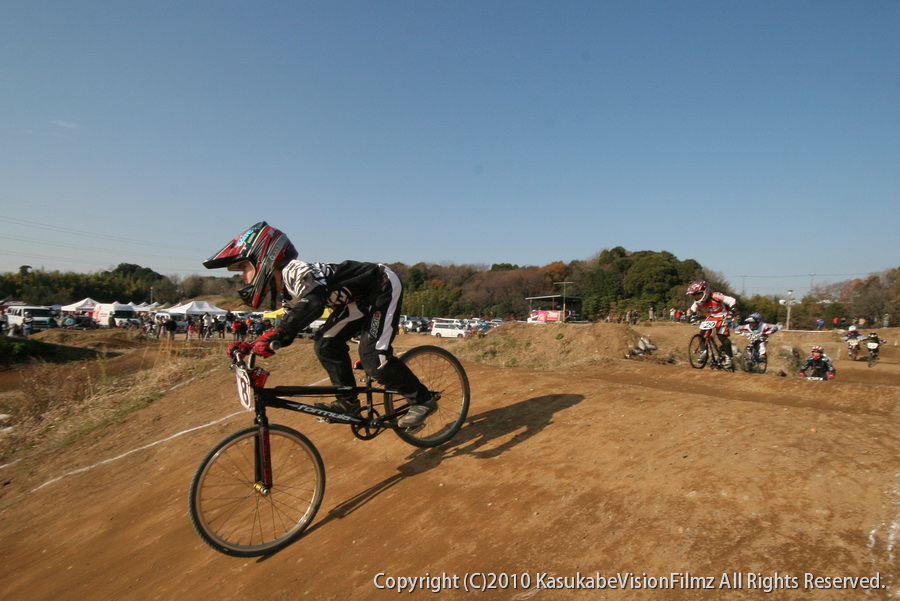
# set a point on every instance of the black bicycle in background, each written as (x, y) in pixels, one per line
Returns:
(258, 489)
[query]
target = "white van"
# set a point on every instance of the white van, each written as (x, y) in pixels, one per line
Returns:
(181, 320)
(449, 330)
(457, 322)
(15, 316)
(125, 315)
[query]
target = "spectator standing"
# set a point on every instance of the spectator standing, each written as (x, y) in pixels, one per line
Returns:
(27, 325)
(170, 327)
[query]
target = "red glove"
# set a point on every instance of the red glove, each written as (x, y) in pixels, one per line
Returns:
(831, 376)
(802, 375)
(243, 348)
(263, 346)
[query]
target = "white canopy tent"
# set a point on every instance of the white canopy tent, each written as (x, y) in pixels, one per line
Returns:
(144, 307)
(197, 308)
(87, 304)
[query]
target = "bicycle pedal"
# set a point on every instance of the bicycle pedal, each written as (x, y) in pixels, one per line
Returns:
(414, 429)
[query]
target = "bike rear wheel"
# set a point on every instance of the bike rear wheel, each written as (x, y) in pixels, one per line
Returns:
(229, 506)
(443, 375)
(698, 351)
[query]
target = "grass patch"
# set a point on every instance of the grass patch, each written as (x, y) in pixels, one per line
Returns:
(15, 351)
(117, 417)
(57, 404)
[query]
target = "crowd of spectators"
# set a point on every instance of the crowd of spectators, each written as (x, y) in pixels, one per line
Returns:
(204, 327)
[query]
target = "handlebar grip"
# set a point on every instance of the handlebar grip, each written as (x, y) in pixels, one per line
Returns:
(274, 345)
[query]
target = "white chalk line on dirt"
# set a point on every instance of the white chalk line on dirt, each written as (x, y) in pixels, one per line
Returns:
(127, 453)
(147, 446)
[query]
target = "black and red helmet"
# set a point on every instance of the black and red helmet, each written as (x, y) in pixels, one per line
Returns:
(266, 248)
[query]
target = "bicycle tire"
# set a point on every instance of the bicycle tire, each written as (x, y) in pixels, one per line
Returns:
(228, 510)
(698, 354)
(762, 364)
(443, 375)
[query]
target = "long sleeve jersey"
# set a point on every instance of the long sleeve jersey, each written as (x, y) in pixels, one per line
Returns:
(820, 366)
(764, 329)
(309, 288)
(715, 303)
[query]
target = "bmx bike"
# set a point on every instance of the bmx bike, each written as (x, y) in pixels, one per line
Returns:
(704, 349)
(753, 361)
(872, 347)
(259, 488)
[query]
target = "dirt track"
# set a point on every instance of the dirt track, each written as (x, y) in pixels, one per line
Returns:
(613, 466)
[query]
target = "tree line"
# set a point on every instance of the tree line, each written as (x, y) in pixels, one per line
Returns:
(612, 282)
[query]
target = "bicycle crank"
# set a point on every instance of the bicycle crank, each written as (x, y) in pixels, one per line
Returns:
(369, 429)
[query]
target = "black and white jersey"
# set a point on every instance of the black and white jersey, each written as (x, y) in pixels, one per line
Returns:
(309, 288)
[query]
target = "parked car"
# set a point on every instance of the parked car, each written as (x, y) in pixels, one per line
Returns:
(481, 330)
(449, 330)
(413, 323)
(181, 320)
(15, 316)
(80, 322)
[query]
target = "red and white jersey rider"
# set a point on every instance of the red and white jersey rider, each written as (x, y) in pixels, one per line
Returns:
(712, 303)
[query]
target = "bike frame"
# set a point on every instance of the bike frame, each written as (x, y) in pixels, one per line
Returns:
(708, 327)
(255, 396)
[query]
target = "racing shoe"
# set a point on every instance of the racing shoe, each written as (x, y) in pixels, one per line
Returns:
(726, 362)
(418, 412)
(348, 406)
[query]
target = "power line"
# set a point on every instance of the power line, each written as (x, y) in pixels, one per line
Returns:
(65, 230)
(30, 256)
(809, 275)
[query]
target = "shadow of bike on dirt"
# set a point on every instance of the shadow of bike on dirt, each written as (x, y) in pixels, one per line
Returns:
(475, 439)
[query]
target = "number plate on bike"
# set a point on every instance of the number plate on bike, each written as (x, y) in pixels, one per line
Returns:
(245, 392)
(709, 325)
(872, 345)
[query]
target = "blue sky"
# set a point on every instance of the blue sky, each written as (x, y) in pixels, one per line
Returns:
(760, 138)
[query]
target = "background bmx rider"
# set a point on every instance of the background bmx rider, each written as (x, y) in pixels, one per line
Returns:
(365, 299)
(853, 333)
(714, 303)
(819, 363)
(756, 328)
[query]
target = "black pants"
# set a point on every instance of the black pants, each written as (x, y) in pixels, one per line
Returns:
(374, 320)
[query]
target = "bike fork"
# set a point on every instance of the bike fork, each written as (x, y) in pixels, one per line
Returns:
(263, 457)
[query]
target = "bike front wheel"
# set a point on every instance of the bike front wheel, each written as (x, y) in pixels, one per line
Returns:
(231, 509)
(698, 351)
(443, 375)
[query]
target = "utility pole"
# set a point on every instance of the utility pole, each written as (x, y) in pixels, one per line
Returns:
(564, 297)
(790, 301)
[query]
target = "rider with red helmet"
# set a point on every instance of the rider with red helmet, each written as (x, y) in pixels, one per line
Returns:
(365, 299)
(714, 304)
(820, 364)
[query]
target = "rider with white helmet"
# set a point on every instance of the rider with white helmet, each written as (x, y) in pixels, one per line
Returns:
(756, 328)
